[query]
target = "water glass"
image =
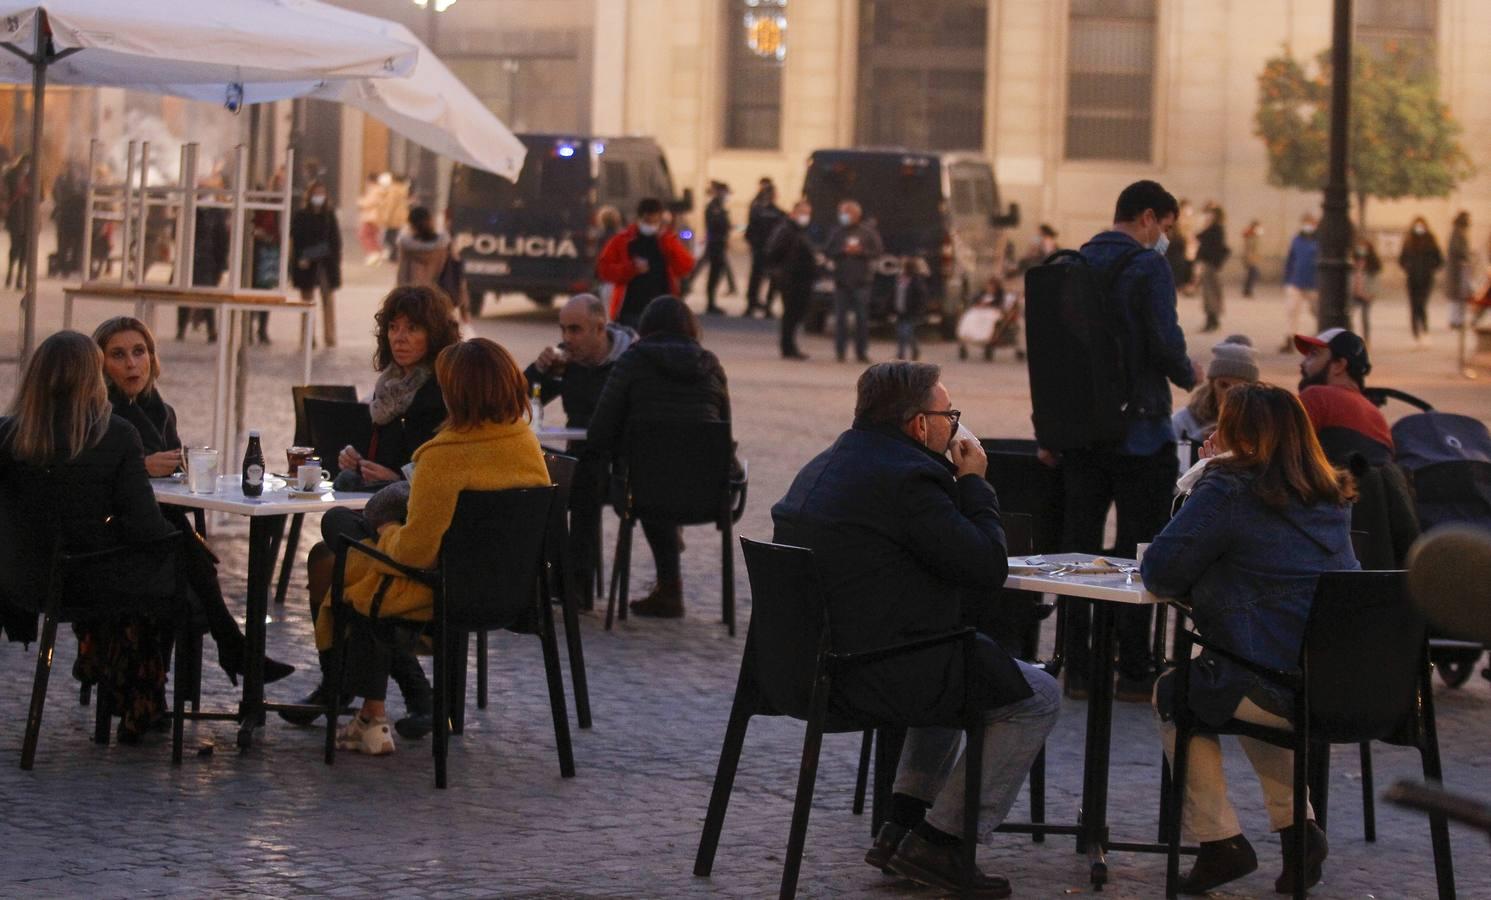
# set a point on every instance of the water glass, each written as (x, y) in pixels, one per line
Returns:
(201, 470)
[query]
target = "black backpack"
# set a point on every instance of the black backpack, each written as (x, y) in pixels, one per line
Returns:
(1075, 335)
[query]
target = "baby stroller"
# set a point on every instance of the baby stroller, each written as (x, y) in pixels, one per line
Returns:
(990, 325)
(1447, 457)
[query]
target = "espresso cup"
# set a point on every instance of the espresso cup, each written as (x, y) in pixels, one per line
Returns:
(308, 477)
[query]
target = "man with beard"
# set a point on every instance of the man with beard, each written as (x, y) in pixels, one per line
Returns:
(1332, 376)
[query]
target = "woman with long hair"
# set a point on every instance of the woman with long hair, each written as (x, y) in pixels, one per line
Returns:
(131, 369)
(1420, 259)
(1266, 515)
(1233, 362)
(73, 474)
(485, 444)
(666, 374)
(425, 258)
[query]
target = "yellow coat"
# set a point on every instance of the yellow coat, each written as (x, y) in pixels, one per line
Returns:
(490, 457)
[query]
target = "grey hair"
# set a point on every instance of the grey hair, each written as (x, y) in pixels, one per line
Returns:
(890, 393)
(594, 306)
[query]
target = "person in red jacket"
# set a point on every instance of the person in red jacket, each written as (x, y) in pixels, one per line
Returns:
(642, 261)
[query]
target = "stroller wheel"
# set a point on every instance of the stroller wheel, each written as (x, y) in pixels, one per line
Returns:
(1455, 667)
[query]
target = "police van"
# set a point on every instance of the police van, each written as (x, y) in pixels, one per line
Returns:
(539, 236)
(942, 207)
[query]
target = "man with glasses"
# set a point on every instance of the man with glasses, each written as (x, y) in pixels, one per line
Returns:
(901, 535)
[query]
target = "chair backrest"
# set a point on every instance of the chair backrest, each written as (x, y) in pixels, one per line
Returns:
(1027, 485)
(298, 393)
(333, 425)
(788, 625)
(679, 471)
(491, 556)
(1364, 653)
(562, 474)
(1018, 528)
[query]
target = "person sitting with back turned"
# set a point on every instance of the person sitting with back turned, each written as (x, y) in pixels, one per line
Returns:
(899, 533)
(1267, 516)
(576, 372)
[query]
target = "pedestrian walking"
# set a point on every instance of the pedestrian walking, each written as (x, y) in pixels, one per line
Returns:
(1300, 278)
(792, 257)
(1366, 265)
(643, 261)
(369, 231)
(316, 248)
(394, 212)
(1252, 240)
(210, 250)
(69, 202)
(17, 217)
(265, 252)
(910, 304)
(716, 241)
(1180, 252)
(1457, 277)
(853, 249)
(1420, 259)
(763, 219)
(1211, 254)
(425, 258)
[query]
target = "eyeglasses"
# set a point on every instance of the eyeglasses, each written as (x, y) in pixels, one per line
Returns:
(953, 415)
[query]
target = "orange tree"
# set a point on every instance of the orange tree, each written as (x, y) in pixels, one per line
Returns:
(1404, 142)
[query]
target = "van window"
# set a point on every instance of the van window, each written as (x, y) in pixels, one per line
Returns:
(965, 197)
(614, 180)
(560, 184)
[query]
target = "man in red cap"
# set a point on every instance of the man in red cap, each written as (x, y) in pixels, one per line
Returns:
(1332, 376)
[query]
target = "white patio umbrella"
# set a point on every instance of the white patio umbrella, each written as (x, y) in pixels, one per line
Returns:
(225, 49)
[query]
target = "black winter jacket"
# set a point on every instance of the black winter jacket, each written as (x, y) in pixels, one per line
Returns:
(318, 233)
(901, 543)
(663, 376)
(394, 443)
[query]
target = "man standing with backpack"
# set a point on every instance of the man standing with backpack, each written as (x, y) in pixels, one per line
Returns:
(1132, 466)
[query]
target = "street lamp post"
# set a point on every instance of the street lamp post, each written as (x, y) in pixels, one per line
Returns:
(1335, 225)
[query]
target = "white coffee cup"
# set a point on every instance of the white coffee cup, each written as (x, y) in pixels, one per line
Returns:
(201, 470)
(308, 478)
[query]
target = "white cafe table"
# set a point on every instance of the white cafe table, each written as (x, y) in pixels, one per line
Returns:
(1109, 590)
(266, 515)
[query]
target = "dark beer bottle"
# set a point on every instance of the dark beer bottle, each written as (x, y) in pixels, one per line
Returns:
(253, 467)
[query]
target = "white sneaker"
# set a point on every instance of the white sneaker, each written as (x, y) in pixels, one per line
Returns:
(373, 737)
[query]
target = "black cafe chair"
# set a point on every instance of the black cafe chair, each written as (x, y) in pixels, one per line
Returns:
(140, 578)
(679, 472)
(788, 669)
(1024, 646)
(303, 438)
(1363, 675)
(489, 576)
(333, 425)
(562, 474)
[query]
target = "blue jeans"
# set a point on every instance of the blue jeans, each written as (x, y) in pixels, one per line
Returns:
(857, 299)
(931, 767)
(906, 347)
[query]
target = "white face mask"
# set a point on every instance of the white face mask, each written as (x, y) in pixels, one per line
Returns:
(1163, 244)
(646, 228)
(802, 220)
(1307, 229)
(1419, 229)
(318, 200)
(843, 218)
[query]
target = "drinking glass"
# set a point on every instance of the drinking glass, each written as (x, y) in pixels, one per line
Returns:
(201, 470)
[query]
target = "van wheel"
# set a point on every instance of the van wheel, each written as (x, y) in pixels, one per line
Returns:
(544, 300)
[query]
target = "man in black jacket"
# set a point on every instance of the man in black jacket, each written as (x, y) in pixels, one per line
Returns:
(716, 242)
(899, 534)
(576, 372)
(761, 222)
(794, 265)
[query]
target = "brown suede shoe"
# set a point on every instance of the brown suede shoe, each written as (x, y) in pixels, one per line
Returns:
(1316, 848)
(664, 601)
(939, 867)
(885, 845)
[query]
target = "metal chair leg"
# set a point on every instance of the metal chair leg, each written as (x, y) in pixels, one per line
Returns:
(807, 777)
(862, 777)
(481, 670)
(576, 651)
(1177, 803)
(1369, 805)
(44, 650)
(724, 776)
(292, 546)
(1439, 827)
(727, 576)
(556, 691)
(1038, 794)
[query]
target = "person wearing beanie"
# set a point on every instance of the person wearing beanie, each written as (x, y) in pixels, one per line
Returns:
(1233, 362)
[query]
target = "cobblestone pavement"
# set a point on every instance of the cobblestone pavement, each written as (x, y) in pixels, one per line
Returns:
(121, 822)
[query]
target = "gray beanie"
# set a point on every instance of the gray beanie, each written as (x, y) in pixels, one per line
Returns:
(1234, 358)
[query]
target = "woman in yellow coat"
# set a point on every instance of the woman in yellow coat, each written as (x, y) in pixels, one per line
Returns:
(484, 445)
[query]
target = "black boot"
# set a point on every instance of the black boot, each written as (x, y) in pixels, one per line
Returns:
(1218, 862)
(230, 657)
(1316, 848)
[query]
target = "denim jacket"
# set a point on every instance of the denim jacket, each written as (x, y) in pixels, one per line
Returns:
(1156, 347)
(1250, 572)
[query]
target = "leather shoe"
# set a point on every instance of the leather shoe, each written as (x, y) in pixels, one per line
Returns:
(938, 867)
(415, 725)
(315, 698)
(665, 601)
(1316, 848)
(1218, 862)
(885, 845)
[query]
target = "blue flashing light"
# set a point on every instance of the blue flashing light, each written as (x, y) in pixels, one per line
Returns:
(599, 147)
(566, 151)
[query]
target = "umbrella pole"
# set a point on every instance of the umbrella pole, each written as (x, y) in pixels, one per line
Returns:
(33, 212)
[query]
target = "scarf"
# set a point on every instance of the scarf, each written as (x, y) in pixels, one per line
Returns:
(395, 391)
